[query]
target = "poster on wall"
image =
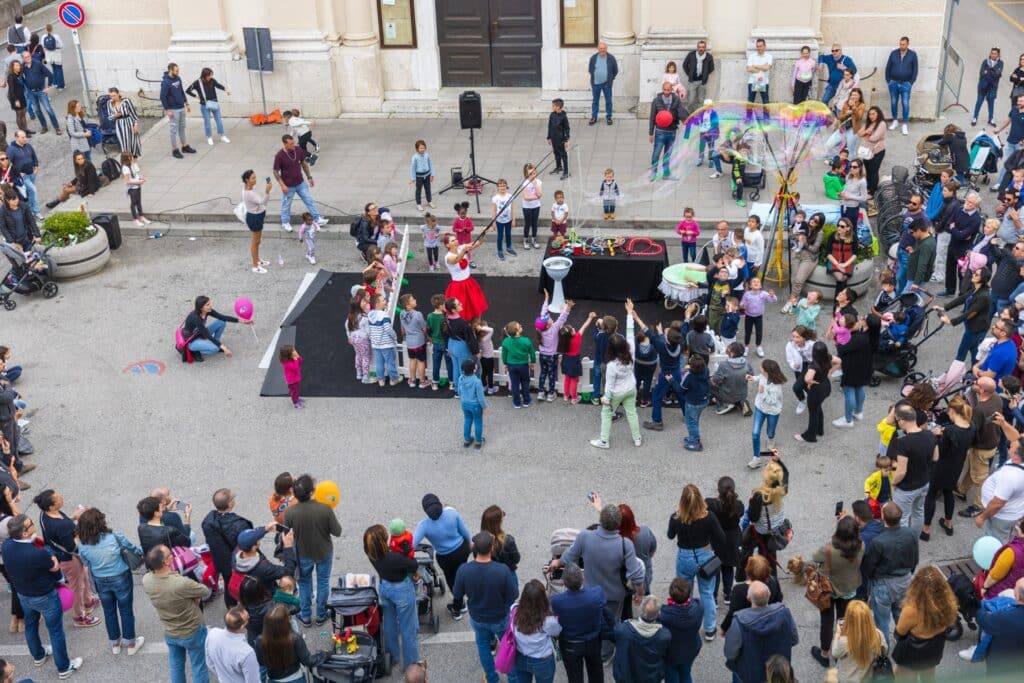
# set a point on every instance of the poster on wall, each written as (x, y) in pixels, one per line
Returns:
(397, 23)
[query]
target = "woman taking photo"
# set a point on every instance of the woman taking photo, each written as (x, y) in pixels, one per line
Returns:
(839, 560)
(16, 95)
(842, 254)
(950, 454)
(698, 536)
(281, 651)
(767, 513)
(871, 147)
(255, 215)
(202, 339)
(805, 259)
(855, 193)
(505, 549)
(851, 119)
(818, 389)
(728, 509)
(58, 530)
(397, 572)
(126, 122)
(928, 610)
(100, 550)
(857, 645)
(79, 135)
(534, 625)
(976, 315)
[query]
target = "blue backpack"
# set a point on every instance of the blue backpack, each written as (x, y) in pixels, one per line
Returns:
(50, 42)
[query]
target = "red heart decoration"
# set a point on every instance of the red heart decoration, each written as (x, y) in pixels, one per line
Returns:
(464, 263)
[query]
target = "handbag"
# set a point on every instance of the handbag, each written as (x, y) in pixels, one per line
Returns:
(133, 561)
(819, 586)
(505, 656)
(239, 211)
(709, 569)
(777, 539)
(865, 153)
(881, 668)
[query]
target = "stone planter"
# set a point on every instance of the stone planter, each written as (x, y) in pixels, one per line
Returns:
(81, 259)
(860, 281)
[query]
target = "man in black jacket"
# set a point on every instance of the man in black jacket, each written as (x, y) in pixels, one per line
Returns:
(664, 136)
(889, 563)
(558, 137)
(221, 527)
(250, 561)
(698, 67)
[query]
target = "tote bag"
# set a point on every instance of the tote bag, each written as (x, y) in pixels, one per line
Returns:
(505, 657)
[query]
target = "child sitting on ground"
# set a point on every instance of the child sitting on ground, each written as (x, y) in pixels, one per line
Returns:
(843, 159)
(569, 342)
(878, 486)
(400, 538)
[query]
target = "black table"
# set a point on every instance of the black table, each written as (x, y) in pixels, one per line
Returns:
(602, 277)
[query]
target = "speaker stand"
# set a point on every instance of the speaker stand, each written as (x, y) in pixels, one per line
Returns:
(474, 182)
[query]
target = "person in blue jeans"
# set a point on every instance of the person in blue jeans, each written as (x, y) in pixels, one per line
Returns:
(100, 551)
(662, 130)
(290, 166)
(176, 600)
(975, 317)
(205, 90)
(203, 338)
(900, 74)
(491, 590)
(697, 534)
(35, 574)
(603, 69)
(471, 395)
(37, 80)
(1015, 121)
(397, 573)
(696, 388)
(313, 523)
(989, 75)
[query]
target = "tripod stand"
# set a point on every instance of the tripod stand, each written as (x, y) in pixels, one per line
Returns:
(474, 182)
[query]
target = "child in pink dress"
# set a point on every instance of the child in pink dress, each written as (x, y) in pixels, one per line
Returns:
(463, 228)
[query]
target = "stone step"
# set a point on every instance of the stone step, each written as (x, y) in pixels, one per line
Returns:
(499, 102)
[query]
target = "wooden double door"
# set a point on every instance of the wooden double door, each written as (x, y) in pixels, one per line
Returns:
(489, 42)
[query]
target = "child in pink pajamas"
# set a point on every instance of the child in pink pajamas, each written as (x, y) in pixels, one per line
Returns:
(358, 330)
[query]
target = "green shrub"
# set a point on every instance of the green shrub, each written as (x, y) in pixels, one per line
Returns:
(66, 228)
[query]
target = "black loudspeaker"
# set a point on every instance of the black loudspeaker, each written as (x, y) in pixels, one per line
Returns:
(111, 226)
(470, 114)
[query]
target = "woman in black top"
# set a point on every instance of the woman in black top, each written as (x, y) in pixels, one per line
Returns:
(280, 650)
(976, 316)
(950, 454)
(699, 537)
(728, 509)
(856, 359)
(58, 530)
(86, 181)
(818, 389)
(505, 549)
(202, 339)
(17, 224)
(757, 568)
(205, 89)
(16, 95)
(397, 595)
(1017, 82)
(153, 532)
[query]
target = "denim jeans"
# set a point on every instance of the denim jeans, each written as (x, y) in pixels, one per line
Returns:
(715, 161)
(472, 417)
(678, 674)
(519, 376)
(663, 142)
(504, 235)
(987, 95)
(667, 381)
(115, 593)
(689, 252)
(688, 563)
(692, 413)
(1008, 149)
(40, 102)
(302, 189)
(386, 364)
(49, 608)
(752, 94)
(902, 259)
(886, 601)
(440, 353)
(211, 109)
(323, 586)
(969, 343)
(195, 647)
(548, 373)
(596, 91)
(484, 632)
(206, 346)
(759, 420)
(529, 669)
(58, 76)
(830, 92)
(853, 401)
(912, 505)
(398, 602)
(29, 181)
(899, 94)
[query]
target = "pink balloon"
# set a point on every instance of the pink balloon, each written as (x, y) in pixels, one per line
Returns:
(67, 597)
(243, 308)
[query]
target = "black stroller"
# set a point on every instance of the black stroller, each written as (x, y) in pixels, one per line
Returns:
(900, 361)
(356, 610)
(108, 131)
(29, 273)
(429, 585)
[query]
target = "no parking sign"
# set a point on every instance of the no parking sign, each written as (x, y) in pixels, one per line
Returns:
(71, 14)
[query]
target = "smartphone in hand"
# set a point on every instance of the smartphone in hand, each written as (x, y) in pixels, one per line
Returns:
(839, 508)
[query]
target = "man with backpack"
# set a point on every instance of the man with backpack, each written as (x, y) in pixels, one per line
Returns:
(53, 48)
(222, 527)
(18, 34)
(249, 561)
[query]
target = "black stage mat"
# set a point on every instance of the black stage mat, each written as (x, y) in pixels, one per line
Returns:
(317, 328)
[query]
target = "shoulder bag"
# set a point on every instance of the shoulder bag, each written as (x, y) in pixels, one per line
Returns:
(505, 656)
(881, 668)
(709, 569)
(865, 153)
(819, 587)
(240, 209)
(133, 561)
(777, 539)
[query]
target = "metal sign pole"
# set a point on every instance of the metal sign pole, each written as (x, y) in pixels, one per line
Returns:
(81, 69)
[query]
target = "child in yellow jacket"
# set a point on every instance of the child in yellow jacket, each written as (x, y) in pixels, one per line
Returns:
(878, 485)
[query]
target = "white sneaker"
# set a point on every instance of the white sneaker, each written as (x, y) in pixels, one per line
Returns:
(893, 124)
(322, 221)
(760, 352)
(903, 129)
(209, 141)
(835, 374)
(47, 651)
(139, 642)
(599, 443)
(432, 205)
(145, 220)
(138, 224)
(542, 396)
(116, 649)
(801, 407)
(287, 227)
(259, 269)
(311, 259)
(264, 263)
(841, 422)
(73, 666)
(754, 463)
(967, 654)
(715, 174)
(419, 207)
(224, 138)
(638, 442)
(787, 308)
(858, 416)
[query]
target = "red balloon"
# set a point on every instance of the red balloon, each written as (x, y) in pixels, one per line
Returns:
(663, 118)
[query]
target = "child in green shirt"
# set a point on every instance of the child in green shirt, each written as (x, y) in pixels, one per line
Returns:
(518, 356)
(435, 331)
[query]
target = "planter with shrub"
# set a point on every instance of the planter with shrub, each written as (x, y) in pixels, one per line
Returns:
(78, 247)
(863, 269)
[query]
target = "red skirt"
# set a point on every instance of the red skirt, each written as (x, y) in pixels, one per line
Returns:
(474, 303)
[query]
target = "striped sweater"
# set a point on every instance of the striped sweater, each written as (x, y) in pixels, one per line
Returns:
(382, 330)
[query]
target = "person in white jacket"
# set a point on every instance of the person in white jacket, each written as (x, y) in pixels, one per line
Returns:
(620, 384)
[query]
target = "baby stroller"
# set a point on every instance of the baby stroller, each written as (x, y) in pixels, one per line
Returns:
(561, 540)
(108, 131)
(899, 361)
(29, 273)
(429, 585)
(986, 151)
(357, 609)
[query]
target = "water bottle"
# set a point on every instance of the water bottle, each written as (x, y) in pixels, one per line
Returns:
(280, 259)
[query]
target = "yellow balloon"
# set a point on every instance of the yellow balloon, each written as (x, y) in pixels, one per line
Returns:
(327, 492)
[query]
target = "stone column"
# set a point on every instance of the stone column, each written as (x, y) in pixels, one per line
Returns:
(616, 18)
(360, 75)
(360, 24)
(669, 30)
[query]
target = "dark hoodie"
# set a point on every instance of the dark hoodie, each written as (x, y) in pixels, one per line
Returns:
(684, 623)
(640, 650)
(259, 567)
(757, 634)
(731, 380)
(172, 92)
(957, 143)
(221, 530)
